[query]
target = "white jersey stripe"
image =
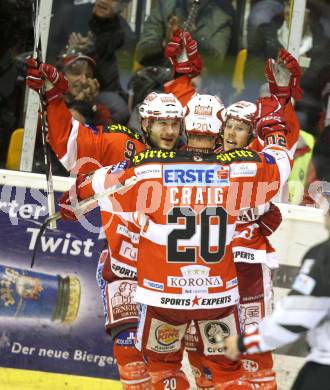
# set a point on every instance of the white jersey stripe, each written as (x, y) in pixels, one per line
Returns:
(70, 158)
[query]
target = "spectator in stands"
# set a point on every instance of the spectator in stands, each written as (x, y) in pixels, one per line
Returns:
(67, 16)
(16, 33)
(319, 169)
(302, 158)
(262, 12)
(321, 155)
(109, 32)
(83, 97)
(211, 28)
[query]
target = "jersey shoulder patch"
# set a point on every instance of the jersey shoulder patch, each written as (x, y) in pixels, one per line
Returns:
(238, 155)
(304, 284)
(117, 128)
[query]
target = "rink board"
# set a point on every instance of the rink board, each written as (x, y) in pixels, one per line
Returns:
(51, 317)
(13, 379)
(301, 228)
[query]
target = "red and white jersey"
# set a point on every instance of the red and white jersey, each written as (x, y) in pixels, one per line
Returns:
(96, 146)
(249, 245)
(84, 148)
(123, 235)
(191, 203)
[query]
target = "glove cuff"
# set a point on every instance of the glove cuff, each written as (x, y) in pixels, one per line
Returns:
(280, 92)
(53, 95)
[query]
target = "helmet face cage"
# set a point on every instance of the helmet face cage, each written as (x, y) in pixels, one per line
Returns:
(160, 106)
(203, 115)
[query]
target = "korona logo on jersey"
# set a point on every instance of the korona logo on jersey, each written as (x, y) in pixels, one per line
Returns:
(195, 280)
(195, 175)
(237, 156)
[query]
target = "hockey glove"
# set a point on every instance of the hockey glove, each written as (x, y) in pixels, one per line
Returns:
(69, 199)
(36, 75)
(183, 54)
(33, 78)
(269, 117)
(54, 77)
(284, 82)
(270, 221)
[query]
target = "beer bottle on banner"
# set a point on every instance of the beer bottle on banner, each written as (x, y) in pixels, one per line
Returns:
(25, 294)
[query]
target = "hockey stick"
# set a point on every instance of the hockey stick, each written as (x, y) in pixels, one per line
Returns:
(188, 23)
(241, 57)
(38, 55)
(81, 208)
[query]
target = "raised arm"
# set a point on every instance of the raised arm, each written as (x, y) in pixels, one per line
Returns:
(79, 147)
(182, 52)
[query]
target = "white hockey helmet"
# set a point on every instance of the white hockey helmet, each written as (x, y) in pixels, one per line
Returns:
(161, 106)
(203, 115)
(242, 111)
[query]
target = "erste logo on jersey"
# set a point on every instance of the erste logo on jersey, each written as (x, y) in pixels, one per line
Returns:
(195, 175)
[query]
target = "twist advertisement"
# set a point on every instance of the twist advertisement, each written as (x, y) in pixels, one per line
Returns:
(51, 316)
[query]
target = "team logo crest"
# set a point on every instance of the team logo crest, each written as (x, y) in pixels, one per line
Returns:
(122, 301)
(216, 331)
(167, 335)
(203, 110)
(167, 99)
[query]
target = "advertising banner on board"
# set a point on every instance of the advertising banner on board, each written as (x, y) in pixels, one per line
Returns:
(51, 316)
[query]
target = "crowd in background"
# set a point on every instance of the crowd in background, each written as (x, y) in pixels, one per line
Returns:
(111, 66)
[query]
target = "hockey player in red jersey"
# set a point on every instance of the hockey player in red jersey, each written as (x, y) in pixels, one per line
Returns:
(197, 201)
(119, 267)
(251, 250)
(82, 149)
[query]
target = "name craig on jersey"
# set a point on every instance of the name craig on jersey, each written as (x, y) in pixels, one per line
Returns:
(196, 195)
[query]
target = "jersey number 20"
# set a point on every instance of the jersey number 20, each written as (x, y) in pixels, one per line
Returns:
(188, 255)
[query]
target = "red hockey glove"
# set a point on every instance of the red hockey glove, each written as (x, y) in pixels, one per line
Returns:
(53, 76)
(183, 53)
(70, 198)
(173, 48)
(269, 117)
(33, 78)
(270, 221)
(284, 81)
